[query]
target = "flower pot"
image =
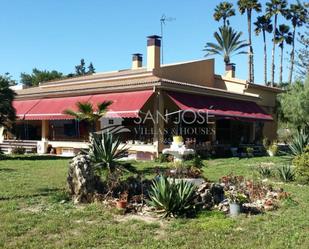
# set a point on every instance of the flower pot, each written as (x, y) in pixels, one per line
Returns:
(234, 209)
(122, 204)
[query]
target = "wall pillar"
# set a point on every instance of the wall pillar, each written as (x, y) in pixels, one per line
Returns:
(1, 134)
(42, 145)
(158, 115)
(45, 130)
(252, 132)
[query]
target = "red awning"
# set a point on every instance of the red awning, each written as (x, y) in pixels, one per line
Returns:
(125, 105)
(219, 106)
(24, 106)
(52, 109)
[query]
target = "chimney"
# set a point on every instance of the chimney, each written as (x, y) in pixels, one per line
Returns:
(153, 52)
(230, 70)
(137, 61)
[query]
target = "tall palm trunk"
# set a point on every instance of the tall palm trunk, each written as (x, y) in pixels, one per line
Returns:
(249, 47)
(281, 63)
(273, 54)
(265, 58)
(292, 55)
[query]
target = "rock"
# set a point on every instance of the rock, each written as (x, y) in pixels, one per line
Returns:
(210, 194)
(224, 206)
(81, 179)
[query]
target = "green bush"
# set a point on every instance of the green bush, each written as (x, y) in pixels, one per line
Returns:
(162, 158)
(197, 161)
(301, 163)
(286, 173)
(171, 198)
(19, 150)
(273, 148)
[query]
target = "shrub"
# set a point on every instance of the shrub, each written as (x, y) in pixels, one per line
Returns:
(19, 150)
(249, 151)
(299, 142)
(162, 158)
(171, 198)
(264, 171)
(273, 148)
(301, 163)
(197, 161)
(2, 156)
(286, 173)
(105, 150)
(266, 143)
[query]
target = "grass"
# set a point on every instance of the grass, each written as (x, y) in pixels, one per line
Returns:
(32, 215)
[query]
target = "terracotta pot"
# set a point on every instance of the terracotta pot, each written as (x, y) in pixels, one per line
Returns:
(122, 204)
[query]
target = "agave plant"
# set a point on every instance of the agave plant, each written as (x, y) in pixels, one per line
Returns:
(299, 142)
(172, 198)
(286, 173)
(264, 171)
(105, 149)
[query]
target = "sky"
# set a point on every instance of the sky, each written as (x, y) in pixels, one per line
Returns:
(56, 34)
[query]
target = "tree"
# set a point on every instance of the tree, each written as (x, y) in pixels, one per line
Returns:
(81, 68)
(7, 111)
(294, 105)
(228, 44)
(87, 112)
(249, 6)
(39, 76)
(283, 35)
(298, 15)
(273, 9)
(302, 59)
(91, 68)
(263, 24)
(223, 11)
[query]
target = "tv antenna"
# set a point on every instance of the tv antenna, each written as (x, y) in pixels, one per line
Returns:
(163, 21)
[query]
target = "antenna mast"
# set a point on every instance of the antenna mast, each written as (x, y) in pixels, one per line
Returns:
(163, 21)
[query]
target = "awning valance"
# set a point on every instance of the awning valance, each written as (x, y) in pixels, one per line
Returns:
(124, 105)
(219, 106)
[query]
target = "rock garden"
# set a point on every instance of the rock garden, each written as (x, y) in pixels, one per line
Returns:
(178, 190)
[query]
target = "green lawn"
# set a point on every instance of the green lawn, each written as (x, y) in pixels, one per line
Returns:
(31, 215)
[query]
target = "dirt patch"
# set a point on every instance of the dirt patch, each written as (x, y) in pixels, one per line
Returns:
(145, 218)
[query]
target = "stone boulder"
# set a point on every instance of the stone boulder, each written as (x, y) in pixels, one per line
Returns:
(210, 194)
(81, 179)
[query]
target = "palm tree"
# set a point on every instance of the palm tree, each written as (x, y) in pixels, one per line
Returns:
(298, 14)
(87, 112)
(224, 10)
(273, 9)
(283, 35)
(228, 44)
(249, 6)
(7, 95)
(263, 24)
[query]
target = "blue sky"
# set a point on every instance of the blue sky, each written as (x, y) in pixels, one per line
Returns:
(54, 34)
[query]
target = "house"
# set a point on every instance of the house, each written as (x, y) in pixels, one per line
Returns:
(154, 102)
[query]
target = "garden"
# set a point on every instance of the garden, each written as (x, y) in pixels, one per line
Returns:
(95, 200)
